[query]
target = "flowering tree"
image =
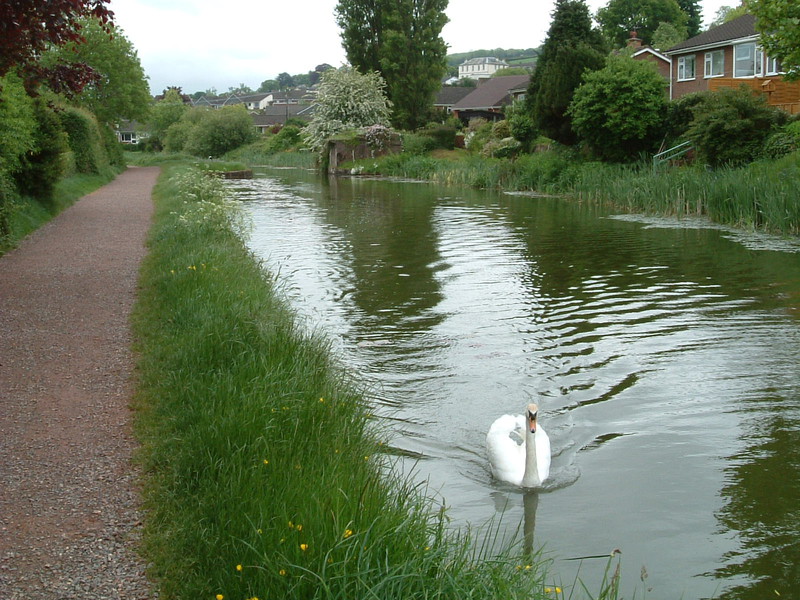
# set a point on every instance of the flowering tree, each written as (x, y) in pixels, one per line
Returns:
(29, 27)
(346, 100)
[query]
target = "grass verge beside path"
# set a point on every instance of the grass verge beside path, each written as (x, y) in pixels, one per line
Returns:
(265, 476)
(26, 215)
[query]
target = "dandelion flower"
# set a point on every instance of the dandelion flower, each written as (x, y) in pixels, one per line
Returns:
(239, 568)
(282, 572)
(303, 547)
(219, 597)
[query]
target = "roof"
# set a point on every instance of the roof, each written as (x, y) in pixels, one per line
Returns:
(484, 60)
(450, 94)
(735, 29)
(493, 93)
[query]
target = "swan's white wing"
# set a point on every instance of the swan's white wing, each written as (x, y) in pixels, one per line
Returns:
(506, 456)
(542, 453)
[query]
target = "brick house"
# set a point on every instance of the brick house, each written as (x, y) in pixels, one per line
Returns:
(729, 56)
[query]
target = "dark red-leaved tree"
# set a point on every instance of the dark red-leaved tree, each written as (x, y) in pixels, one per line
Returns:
(28, 27)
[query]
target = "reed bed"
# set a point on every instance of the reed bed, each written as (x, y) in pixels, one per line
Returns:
(761, 195)
(265, 475)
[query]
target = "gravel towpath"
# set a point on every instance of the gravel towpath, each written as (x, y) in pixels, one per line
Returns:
(69, 501)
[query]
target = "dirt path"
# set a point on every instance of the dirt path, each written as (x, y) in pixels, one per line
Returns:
(68, 491)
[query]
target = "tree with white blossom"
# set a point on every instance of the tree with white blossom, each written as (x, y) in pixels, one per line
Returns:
(347, 100)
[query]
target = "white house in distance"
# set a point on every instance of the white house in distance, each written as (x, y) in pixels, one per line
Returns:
(480, 68)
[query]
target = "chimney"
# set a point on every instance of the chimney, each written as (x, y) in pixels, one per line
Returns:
(634, 42)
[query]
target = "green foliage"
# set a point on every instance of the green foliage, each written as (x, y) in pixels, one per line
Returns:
(521, 124)
(619, 17)
(85, 140)
(346, 100)
(443, 135)
(778, 22)
(694, 17)
(176, 135)
(727, 13)
(619, 110)
(555, 85)
(17, 124)
(164, 114)
(219, 131)
(401, 40)
(572, 46)
(509, 71)
(730, 126)
(43, 165)
(121, 90)
(667, 35)
(679, 116)
(417, 144)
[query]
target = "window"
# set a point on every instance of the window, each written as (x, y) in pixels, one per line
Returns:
(685, 68)
(748, 60)
(715, 63)
(773, 66)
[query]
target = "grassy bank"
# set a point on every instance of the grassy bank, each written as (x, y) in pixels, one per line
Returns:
(26, 214)
(265, 474)
(761, 195)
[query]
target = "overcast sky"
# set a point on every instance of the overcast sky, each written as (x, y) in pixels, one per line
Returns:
(200, 44)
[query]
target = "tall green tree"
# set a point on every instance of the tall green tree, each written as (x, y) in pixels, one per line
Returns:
(620, 17)
(572, 46)
(778, 22)
(694, 16)
(120, 90)
(401, 40)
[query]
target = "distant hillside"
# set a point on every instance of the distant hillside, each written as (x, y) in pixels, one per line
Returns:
(510, 56)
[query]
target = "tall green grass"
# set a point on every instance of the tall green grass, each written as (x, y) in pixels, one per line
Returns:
(761, 195)
(265, 475)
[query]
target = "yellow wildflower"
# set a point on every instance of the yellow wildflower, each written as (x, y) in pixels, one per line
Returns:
(282, 572)
(298, 527)
(266, 462)
(303, 547)
(348, 533)
(219, 597)
(239, 568)
(322, 399)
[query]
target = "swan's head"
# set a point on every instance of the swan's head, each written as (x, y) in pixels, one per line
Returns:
(532, 414)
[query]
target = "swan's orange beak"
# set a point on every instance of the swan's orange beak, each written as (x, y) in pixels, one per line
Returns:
(532, 421)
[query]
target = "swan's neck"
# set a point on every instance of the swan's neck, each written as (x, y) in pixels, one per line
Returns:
(531, 476)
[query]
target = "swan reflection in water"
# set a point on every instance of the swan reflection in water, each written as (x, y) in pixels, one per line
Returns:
(503, 503)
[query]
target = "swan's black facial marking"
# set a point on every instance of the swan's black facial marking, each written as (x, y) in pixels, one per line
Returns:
(532, 421)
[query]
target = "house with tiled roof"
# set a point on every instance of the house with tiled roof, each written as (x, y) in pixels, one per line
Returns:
(730, 56)
(490, 97)
(480, 68)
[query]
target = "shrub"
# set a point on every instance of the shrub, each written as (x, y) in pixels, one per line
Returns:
(85, 141)
(176, 136)
(619, 110)
(443, 136)
(43, 165)
(417, 144)
(220, 131)
(730, 126)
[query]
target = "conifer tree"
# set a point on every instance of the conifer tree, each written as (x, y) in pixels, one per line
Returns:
(572, 46)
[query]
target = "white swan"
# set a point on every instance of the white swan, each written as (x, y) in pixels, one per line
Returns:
(526, 464)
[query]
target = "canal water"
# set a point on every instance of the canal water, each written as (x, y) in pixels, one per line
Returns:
(664, 355)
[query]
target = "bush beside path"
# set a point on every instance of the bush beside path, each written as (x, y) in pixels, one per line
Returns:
(69, 503)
